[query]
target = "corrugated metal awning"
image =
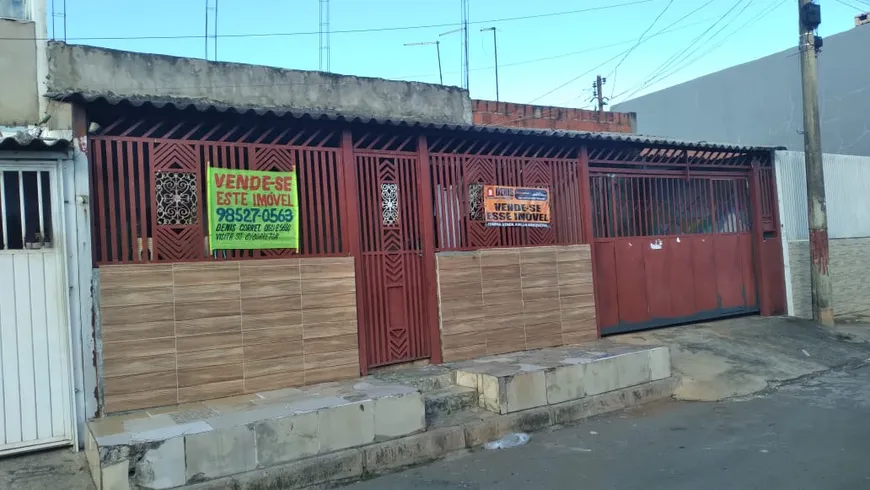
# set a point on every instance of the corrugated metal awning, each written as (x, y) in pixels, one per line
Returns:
(23, 141)
(211, 106)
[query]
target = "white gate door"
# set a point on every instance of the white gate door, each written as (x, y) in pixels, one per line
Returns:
(35, 394)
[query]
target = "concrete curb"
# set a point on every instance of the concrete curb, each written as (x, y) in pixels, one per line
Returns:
(385, 457)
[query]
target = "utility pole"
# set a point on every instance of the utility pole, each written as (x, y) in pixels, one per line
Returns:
(495, 53)
(598, 92)
(823, 311)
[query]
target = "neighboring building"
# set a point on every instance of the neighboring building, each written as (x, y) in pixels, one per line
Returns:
(508, 114)
(847, 178)
(759, 102)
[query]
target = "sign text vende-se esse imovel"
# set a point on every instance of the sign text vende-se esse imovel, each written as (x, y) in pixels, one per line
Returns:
(516, 206)
(250, 209)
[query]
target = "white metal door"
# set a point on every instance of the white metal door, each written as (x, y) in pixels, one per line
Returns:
(35, 395)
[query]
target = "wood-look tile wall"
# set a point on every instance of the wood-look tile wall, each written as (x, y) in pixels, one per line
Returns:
(504, 300)
(186, 332)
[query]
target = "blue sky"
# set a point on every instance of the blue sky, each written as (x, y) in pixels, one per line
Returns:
(720, 33)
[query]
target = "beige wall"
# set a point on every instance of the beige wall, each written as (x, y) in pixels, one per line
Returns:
(19, 103)
(849, 258)
(504, 300)
(186, 332)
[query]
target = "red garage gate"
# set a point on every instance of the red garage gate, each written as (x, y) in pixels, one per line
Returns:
(671, 248)
(682, 235)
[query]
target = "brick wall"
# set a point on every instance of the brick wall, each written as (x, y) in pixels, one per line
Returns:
(177, 333)
(848, 261)
(505, 300)
(491, 113)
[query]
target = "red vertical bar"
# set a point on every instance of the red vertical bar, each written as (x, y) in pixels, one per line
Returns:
(142, 203)
(349, 186)
(100, 198)
(113, 204)
(130, 204)
(427, 225)
(331, 202)
(123, 179)
(344, 247)
(762, 285)
(585, 191)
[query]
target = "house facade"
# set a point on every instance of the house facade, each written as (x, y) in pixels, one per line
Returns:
(405, 246)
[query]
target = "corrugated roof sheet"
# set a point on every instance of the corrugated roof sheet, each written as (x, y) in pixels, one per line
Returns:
(25, 142)
(206, 106)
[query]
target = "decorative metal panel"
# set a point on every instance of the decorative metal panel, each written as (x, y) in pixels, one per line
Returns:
(392, 281)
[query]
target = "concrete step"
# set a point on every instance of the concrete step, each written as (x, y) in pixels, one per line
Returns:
(424, 378)
(203, 441)
(525, 380)
(449, 400)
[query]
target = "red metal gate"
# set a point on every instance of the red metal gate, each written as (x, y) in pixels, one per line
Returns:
(392, 279)
(671, 249)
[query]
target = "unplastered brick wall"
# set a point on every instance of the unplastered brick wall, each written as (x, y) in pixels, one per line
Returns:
(849, 259)
(505, 300)
(491, 113)
(177, 333)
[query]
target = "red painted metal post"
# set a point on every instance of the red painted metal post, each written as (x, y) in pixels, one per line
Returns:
(427, 223)
(758, 241)
(351, 238)
(586, 224)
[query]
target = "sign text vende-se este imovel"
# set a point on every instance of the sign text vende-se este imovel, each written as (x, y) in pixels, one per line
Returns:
(516, 206)
(251, 209)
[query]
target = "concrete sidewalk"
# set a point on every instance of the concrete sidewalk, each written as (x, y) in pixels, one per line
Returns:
(748, 355)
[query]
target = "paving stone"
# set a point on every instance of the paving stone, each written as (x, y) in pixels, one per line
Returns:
(287, 439)
(524, 391)
(115, 477)
(347, 426)
(660, 363)
(162, 466)
(633, 368)
(399, 415)
(220, 452)
(565, 383)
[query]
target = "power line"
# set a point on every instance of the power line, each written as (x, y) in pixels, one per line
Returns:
(673, 58)
(859, 9)
(639, 41)
(767, 11)
(348, 31)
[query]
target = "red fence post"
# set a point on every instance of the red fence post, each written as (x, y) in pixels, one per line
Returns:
(427, 224)
(351, 238)
(586, 223)
(758, 240)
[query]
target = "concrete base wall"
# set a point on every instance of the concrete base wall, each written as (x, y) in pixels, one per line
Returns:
(177, 333)
(849, 259)
(137, 76)
(505, 300)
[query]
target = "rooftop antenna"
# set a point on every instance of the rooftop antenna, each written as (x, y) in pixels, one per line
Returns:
(54, 16)
(214, 35)
(324, 36)
(465, 16)
(437, 51)
(464, 30)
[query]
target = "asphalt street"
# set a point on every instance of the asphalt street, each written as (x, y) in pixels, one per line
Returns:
(812, 434)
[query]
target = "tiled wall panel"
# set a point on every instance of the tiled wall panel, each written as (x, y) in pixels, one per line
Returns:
(504, 300)
(185, 332)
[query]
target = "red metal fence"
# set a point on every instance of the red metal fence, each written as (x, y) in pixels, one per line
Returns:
(457, 187)
(149, 193)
